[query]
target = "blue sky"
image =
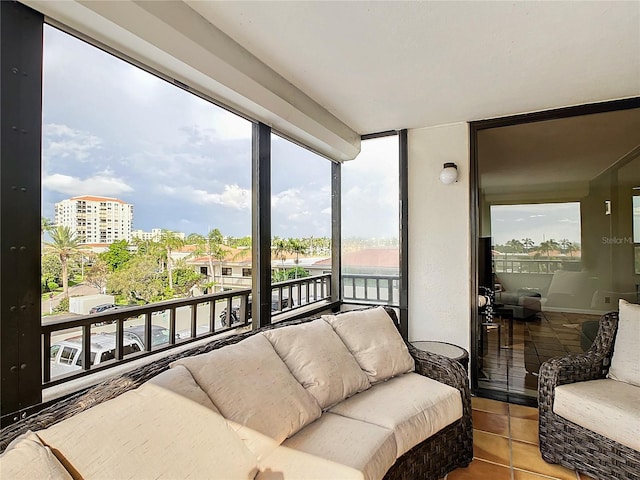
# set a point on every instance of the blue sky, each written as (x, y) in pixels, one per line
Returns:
(111, 129)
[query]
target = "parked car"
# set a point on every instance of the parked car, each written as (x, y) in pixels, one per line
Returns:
(235, 310)
(103, 308)
(159, 334)
(66, 355)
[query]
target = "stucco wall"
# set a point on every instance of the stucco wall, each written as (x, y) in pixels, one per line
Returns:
(439, 240)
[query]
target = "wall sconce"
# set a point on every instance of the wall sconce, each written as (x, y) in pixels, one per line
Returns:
(449, 173)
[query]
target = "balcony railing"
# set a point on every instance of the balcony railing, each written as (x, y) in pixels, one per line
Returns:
(375, 289)
(102, 341)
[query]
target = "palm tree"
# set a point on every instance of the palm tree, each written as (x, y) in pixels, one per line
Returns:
(527, 243)
(211, 247)
(64, 244)
(298, 248)
(170, 242)
(280, 249)
(45, 226)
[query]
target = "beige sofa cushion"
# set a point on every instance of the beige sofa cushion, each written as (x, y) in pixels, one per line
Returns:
(150, 432)
(373, 339)
(276, 462)
(413, 406)
(27, 458)
(180, 380)
(608, 407)
(251, 385)
(625, 363)
(363, 446)
(319, 360)
(286, 463)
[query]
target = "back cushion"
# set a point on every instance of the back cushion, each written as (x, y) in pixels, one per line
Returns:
(625, 363)
(150, 432)
(27, 458)
(251, 385)
(373, 339)
(319, 360)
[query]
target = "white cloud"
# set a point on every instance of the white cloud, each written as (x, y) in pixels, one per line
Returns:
(233, 197)
(63, 142)
(100, 184)
(536, 216)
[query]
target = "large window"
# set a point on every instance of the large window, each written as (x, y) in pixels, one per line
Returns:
(370, 223)
(145, 186)
(558, 235)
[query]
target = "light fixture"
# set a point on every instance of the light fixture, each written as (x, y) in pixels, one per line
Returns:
(449, 173)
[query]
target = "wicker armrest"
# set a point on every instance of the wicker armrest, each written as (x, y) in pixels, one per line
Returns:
(440, 368)
(591, 365)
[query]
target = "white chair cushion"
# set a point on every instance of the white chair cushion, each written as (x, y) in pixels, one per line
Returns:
(27, 458)
(608, 407)
(150, 432)
(319, 360)
(251, 385)
(373, 339)
(625, 363)
(363, 446)
(413, 406)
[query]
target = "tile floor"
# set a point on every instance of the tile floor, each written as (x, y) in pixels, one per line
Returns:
(509, 361)
(505, 446)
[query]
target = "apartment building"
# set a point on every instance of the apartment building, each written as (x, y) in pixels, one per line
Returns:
(155, 234)
(96, 219)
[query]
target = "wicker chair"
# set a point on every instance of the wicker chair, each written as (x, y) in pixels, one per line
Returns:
(571, 445)
(450, 448)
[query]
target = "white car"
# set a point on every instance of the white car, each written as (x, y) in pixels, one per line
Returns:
(66, 356)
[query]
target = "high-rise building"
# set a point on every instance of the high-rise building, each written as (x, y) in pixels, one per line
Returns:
(96, 219)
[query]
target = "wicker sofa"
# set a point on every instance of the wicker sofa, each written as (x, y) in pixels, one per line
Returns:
(589, 404)
(253, 405)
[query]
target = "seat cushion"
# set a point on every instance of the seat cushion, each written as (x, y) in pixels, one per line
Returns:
(250, 384)
(150, 432)
(285, 463)
(363, 446)
(608, 407)
(625, 362)
(413, 406)
(373, 339)
(319, 360)
(27, 458)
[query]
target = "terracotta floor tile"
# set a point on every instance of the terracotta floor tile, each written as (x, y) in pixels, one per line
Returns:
(522, 411)
(490, 447)
(527, 457)
(491, 422)
(523, 429)
(487, 405)
(522, 475)
(481, 470)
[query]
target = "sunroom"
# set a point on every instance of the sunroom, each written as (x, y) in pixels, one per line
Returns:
(533, 108)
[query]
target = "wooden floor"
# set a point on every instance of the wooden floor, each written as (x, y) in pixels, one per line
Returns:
(505, 446)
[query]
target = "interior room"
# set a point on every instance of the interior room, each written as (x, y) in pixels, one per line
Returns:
(460, 301)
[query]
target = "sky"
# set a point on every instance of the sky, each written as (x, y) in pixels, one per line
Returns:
(539, 222)
(111, 129)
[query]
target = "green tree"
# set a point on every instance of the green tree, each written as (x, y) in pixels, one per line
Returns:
(280, 248)
(98, 274)
(139, 280)
(298, 248)
(185, 278)
(211, 247)
(289, 274)
(170, 241)
(51, 272)
(117, 255)
(516, 246)
(45, 226)
(527, 243)
(65, 245)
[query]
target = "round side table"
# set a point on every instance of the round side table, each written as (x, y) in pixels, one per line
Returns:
(445, 349)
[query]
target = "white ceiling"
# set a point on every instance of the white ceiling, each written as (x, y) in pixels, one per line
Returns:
(391, 65)
(324, 72)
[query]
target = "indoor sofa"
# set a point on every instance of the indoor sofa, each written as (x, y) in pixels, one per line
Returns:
(337, 397)
(589, 404)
